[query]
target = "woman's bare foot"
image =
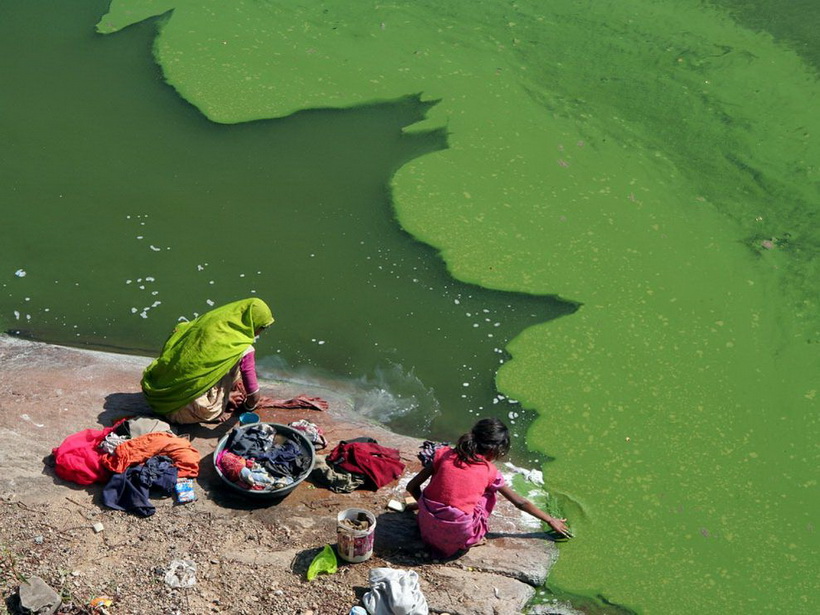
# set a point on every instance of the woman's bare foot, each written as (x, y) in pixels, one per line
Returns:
(222, 417)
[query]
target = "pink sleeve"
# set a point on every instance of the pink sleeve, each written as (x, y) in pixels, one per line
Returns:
(437, 455)
(247, 367)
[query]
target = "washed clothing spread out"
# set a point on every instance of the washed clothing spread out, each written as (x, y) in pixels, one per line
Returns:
(130, 490)
(136, 457)
(138, 450)
(199, 353)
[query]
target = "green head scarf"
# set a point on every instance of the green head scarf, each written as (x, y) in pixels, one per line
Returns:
(200, 352)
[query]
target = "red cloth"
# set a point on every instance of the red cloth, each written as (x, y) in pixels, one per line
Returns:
(231, 465)
(140, 449)
(79, 460)
(459, 484)
(379, 463)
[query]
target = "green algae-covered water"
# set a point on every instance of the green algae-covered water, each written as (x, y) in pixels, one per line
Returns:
(646, 170)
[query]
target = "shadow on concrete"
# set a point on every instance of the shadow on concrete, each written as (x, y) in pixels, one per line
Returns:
(121, 405)
(532, 535)
(207, 431)
(398, 540)
(94, 490)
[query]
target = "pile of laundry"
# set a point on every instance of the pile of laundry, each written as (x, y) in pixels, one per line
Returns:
(258, 458)
(135, 457)
(361, 462)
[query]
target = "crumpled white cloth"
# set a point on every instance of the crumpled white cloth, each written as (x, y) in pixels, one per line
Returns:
(394, 592)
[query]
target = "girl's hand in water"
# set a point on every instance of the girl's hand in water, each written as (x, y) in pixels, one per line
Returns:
(560, 526)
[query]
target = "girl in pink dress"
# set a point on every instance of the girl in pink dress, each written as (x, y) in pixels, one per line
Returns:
(455, 506)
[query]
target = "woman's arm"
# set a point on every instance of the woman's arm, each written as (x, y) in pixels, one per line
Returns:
(247, 368)
(414, 486)
(522, 503)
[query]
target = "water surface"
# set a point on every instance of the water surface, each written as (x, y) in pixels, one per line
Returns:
(652, 162)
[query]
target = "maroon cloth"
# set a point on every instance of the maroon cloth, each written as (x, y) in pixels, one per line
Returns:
(298, 402)
(379, 463)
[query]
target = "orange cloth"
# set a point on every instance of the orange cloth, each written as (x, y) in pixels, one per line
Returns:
(140, 449)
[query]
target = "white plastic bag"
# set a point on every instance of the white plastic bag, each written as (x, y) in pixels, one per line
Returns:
(181, 573)
(394, 592)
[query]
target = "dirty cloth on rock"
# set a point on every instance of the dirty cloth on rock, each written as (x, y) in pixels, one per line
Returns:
(138, 450)
(337, 480)
(110, 442)
(132, 428)
(394, 592)
(140, 425)
(300, 402)
(130, 490)
(380, 464)
(428, 451)
(79, 459)
(312, 432)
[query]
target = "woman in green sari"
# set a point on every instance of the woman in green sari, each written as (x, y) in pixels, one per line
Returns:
(203, 359)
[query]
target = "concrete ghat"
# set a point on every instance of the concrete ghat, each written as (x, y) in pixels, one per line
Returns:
(49, 392)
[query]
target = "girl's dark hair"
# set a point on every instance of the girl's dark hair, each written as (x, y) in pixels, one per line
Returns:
(489, 438)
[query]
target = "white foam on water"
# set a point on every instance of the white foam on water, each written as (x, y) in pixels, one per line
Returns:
(389, 395)
(536, 477)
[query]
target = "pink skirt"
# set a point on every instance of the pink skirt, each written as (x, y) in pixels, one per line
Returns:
(448, 529)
